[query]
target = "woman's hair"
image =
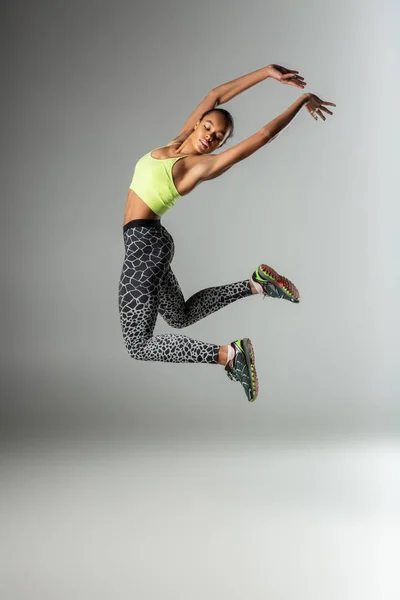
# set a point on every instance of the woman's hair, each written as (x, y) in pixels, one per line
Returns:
(227, 116)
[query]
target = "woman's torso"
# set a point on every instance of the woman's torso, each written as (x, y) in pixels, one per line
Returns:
(184, 178)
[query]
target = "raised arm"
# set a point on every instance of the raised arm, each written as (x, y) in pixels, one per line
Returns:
(233, 88)
(216, 164)
(227, 91)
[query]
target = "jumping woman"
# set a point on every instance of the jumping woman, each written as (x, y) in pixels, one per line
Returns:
(148, 286)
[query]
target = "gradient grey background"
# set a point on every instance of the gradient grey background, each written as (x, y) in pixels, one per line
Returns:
(125, 479)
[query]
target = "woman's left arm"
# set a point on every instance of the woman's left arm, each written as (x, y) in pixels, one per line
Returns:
(229, 90)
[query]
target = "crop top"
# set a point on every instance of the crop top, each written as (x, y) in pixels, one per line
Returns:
(153, 182)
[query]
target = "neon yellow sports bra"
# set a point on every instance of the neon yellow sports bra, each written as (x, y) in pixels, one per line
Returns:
(153, 182)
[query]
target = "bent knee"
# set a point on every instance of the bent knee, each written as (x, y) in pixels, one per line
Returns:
(136, 351)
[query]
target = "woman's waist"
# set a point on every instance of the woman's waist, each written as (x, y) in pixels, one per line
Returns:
(147, 223)
(137, 208)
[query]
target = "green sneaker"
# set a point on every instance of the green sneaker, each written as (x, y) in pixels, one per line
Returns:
(275, 285)
(242, 368)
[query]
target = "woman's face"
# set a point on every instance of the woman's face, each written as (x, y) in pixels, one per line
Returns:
(210, 133)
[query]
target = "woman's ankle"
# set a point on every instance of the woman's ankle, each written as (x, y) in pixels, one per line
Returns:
(255, 287)
(223, 355)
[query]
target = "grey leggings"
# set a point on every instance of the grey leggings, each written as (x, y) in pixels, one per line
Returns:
(148, 287)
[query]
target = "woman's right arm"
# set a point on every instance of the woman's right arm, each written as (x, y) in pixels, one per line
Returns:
(216, 164)
(274, 127)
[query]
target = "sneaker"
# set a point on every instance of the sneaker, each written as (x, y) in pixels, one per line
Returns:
(242, 368)
(275, 285)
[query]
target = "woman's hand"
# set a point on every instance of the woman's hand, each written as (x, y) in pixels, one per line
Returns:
(315, 106)
(286, 76)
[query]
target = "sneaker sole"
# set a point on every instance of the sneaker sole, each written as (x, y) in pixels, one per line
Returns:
(288, 288)
(251, 365)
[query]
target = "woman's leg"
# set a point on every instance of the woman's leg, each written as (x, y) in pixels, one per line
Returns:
(179, 313)
(148, 253)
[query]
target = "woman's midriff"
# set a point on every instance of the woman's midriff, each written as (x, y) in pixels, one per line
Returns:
(135, 208)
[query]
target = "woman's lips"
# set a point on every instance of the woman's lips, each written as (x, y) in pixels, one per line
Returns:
(204, 144)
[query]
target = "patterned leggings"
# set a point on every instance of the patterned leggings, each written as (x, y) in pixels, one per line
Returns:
(148, 287)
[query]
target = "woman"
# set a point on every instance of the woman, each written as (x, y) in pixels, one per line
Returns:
(148, 286)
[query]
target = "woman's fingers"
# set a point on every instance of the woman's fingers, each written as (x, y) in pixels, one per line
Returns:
(295, 80)
(317, 112)
(326, 110)
(316, 107)
(289, 76)
(312, 113)
(298, 79)
(298, 84)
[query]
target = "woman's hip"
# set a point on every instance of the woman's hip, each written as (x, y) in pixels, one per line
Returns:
(147, 240)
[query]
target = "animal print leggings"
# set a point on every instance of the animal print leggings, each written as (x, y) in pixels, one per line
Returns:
(148, 287)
